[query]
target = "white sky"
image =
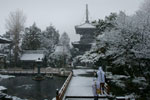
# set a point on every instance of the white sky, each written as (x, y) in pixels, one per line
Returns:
(64, 14)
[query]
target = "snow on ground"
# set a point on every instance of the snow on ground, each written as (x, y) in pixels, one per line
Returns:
(78, 72)
(80, 86)
(6, 76)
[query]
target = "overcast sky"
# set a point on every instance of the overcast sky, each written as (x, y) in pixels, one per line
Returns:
(64, 14)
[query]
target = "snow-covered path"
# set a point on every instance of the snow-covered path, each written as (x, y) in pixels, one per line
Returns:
(80, 85)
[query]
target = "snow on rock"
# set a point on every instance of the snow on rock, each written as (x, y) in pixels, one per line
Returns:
(2, 88)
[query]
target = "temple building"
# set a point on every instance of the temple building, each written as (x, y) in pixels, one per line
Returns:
(87, 32)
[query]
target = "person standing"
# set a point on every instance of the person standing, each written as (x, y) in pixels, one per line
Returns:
(101, 79)
(94, 88)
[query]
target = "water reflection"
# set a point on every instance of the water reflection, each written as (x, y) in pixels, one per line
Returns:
(25, 87)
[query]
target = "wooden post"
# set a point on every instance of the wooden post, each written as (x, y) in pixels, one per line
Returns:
(57, 94)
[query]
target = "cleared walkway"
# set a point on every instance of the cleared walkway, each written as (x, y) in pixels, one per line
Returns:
(80, 87)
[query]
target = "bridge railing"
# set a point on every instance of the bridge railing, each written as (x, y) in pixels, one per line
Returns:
(61, 92)
(106, 88)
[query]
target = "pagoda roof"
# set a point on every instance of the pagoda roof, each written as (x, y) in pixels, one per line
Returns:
(86, 25)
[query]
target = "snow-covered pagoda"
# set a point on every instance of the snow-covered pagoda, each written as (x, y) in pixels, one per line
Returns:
(87, 31)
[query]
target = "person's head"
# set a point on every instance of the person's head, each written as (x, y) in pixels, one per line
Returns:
(100, 68)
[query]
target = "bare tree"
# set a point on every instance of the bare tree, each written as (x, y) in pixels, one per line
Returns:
(15, 25)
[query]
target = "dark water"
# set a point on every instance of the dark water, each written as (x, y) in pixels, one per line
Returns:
(26, 88)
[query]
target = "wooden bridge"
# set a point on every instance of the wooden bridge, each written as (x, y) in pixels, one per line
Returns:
(78, 87)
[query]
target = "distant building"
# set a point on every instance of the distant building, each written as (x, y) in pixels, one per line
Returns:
(29, 57)
(3, 61)
(87, 32)
(4, 40)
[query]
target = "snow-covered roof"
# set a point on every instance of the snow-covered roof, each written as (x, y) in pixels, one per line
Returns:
(85, 25)
(4, 40)
(32, 55)
(76, 42)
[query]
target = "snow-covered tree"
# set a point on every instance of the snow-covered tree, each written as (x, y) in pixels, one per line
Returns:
(65, 40)
(125, 49)
(49, 38)
(124, 45)
(106, 24)
(31, 40)
(15, 25)
(61, 56)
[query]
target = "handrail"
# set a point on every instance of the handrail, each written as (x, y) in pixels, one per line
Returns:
(106, 88)
(61, 92)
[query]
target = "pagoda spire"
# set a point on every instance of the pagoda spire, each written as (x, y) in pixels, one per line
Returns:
(87, 14)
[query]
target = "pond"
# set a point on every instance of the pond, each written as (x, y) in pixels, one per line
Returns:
(26, 88)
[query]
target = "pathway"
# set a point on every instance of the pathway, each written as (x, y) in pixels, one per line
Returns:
(80, 85)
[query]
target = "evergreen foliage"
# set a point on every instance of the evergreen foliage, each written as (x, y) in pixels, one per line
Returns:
(31, 40)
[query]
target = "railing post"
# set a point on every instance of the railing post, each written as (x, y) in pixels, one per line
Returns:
(57, 94)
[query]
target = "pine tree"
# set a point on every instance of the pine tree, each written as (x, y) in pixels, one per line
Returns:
(31, 40)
